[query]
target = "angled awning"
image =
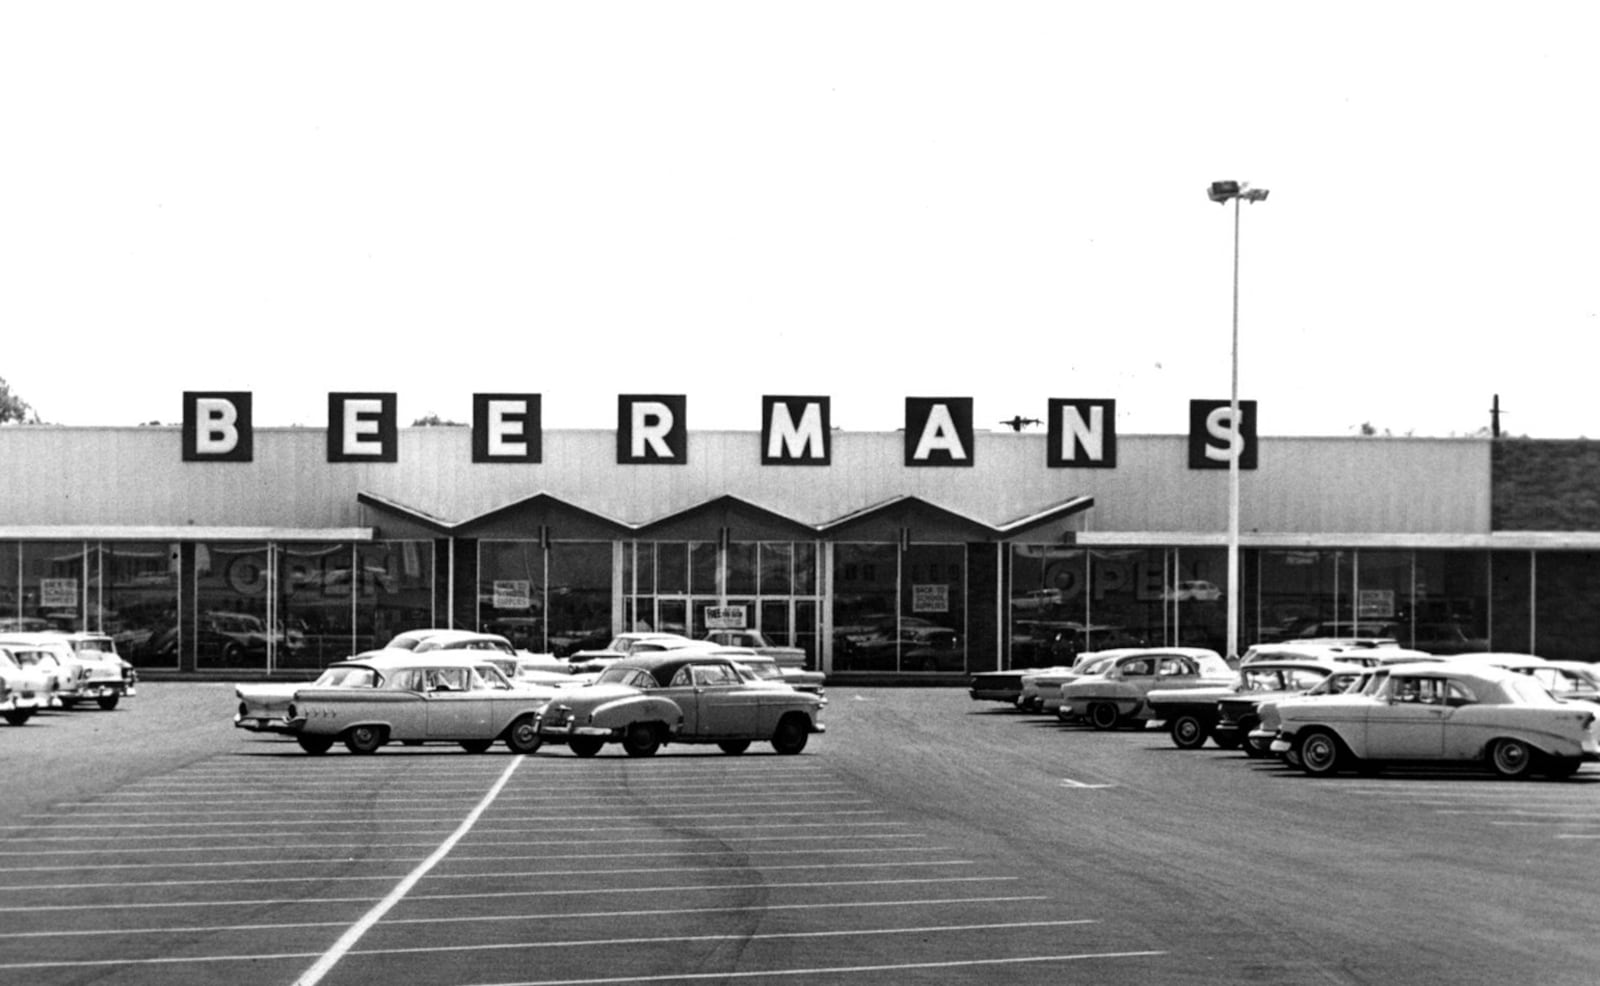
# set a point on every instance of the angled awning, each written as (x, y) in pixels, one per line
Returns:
(740, 518)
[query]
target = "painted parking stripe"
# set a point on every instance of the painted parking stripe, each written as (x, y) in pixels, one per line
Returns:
(533, 874)
(839, 970)
(510, 830)
(830, 840)
(497, 895)
(831, 905)
(331, 958)
(257, 823)
(497, 858)
(188, 809)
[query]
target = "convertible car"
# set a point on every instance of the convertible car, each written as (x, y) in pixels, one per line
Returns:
(423, 698)
(680, 696)
(1440, 713)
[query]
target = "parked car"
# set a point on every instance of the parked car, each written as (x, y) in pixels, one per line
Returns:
(1442, 712)
(102, 648)
(23, 691)
(1118, 693)
(440, 697)
(264, 706)
(1365, 679)
(79, 677)
(1194, 590)
(1041, 689)
(1226, 713)
(786, 656)
(620, 646)
(681, 696)
(997, 686)
(767, 668)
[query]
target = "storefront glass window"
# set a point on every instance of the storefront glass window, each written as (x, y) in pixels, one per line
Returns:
(1127, 604)
(1567, 620)
(232, 583)
(396, 591)
(703, 568)
(52, 586)
(1048, 604)
(672, 568)
(933, 608)
(139, 601)
(806, 561)
(742, 571)
(1449, 610)
(1511, 601)
(511, 591)
(578, 602)
(1299, 595)
(777, 577)
(865, 604)
(10, 585)
(315, 607)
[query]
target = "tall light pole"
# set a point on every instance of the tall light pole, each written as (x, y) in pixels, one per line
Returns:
(1221, 192)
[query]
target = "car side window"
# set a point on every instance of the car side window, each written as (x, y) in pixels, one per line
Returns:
(1135, 669)
(1176, 666)
(714, 674)
(408, 680)
(684, 678)
(1457, 695)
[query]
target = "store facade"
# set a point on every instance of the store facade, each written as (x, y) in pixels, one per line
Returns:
(292, 557)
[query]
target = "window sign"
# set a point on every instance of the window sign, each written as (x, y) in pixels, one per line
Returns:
(725, 618)
(512, 594)
(1375, 604)
(58, 594)
(930, 599)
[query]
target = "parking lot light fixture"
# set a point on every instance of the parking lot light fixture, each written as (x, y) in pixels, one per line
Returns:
(1221, 192)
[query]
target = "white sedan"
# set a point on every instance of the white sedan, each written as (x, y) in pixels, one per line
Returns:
(1440, 713)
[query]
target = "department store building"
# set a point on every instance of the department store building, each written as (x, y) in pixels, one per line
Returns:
(937, 549)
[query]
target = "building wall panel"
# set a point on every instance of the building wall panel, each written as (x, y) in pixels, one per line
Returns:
(136, 476)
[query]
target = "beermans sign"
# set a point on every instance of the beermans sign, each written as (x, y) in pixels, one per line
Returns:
(652, 429)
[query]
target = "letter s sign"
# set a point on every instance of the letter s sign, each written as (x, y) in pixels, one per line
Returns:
(1210, 434)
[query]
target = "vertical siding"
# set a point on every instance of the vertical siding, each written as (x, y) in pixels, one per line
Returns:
(136, 476)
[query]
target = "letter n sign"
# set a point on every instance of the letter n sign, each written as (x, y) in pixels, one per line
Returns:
(652, 429)
(1210, 434)
(1083, 434)
(938, 431)
(217, 426)
(796, 431)
(506, 428)
(362, 428)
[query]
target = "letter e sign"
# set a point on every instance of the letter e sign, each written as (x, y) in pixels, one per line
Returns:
(362, 428)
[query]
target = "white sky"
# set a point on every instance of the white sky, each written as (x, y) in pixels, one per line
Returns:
(867, 200)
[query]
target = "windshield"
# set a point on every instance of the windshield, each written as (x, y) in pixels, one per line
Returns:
(1099, 667)
(349, 677)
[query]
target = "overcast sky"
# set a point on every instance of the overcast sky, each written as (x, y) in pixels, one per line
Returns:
(865, 200)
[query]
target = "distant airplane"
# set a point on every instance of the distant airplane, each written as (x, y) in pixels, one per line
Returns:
(1019, 422)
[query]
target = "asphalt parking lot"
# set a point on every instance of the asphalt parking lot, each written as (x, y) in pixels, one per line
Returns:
(924, 839)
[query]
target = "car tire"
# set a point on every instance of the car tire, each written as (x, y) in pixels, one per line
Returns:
(641, 740)
(585, 746)
(523, 736)
(1189, 732)
(1320, 752)
(364, 739)
(1511, 758)
(315, 745)
(1229, 742)
(17, 717)
(107, 702)
(1104, 716)
(791, 735)
(734, 747)
(476, 746)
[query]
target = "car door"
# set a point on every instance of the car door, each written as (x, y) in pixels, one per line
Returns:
(715, 701)
(459, 707)
(1408, 722)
